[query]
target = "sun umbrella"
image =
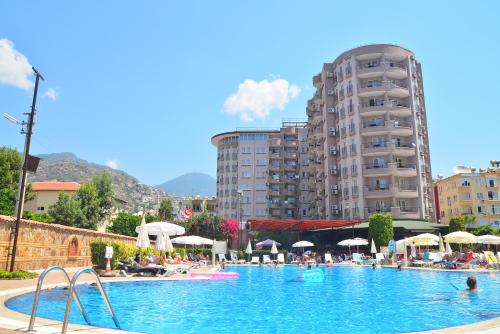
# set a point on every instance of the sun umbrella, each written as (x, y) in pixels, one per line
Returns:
(192, 240)
(169, 248)
(441, 244)
(274, 249)
(157, 228)
(373, 249)
(142, 237)
(448, 248)
(489, 239)
(303, 244)
(413, 251)
(266, 243)
(425, 239)
(160, 243)
(460, 237)
(249, 249)
(353, 242)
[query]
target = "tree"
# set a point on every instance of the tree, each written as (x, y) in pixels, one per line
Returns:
(125, 224)
(469, 220)
(39, 217)
(104, 187)
(380, 229)
(89, 205)
(66, 211)
(166, 210)
(457, 224)
(10, 169)
(483, 230)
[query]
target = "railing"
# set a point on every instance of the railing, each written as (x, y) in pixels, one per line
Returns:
(383, 84)
(101, 290)
(384, 65)
(39, 289)
(377, 187)
(378, 210)
(407, 187)
(408, 209)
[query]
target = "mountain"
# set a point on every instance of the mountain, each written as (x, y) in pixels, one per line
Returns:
(67, 166)
(190, 184)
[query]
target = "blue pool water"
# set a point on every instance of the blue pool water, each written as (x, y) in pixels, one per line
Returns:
(266, 300)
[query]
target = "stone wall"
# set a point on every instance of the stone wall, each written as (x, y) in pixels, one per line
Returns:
(42, 245)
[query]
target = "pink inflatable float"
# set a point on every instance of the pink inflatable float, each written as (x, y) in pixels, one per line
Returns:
(216, 275)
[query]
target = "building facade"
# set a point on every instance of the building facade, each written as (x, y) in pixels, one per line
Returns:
(47, 194)
(197, 204)
(367, 135)
(470, 193)
(258, 172)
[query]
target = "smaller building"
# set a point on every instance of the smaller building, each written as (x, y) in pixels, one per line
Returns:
(469, 192)
(197, 204)
(47, 194)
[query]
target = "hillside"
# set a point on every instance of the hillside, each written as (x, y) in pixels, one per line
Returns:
(190, 184)
(68, 167)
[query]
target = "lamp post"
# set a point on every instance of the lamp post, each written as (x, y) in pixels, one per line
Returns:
(21, 192)
(239, 199)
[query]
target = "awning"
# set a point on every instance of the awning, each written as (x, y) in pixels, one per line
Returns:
(295, 225)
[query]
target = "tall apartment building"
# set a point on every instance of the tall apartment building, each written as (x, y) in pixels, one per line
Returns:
(258, 172)
(469, 192)
(367, 137)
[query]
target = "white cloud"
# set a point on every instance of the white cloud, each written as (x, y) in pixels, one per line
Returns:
(113, 163)
(15, 68)
(52, 94)
(257, 99)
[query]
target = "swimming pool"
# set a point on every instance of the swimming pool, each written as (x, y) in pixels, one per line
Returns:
(267, 300)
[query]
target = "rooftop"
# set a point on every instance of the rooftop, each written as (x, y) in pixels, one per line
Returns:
(55, 186)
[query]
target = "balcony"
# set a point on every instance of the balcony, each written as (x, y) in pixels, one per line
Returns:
(381, 127)
(377, 191)
(396, 108)
(317, 79)
(394, 70)
(374, 210)
(375, 149)
(405, 212)
(274, 142)
(274, 180)
(290, 155)
(376, 170)
(291, 143)
(394, 88)
(406, 191)
(274, 156)
(274, 168)
(403, 170)
(290, 168)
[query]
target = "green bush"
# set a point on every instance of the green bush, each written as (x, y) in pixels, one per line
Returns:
(380, 229)
(457, 224)
(121, 251)
(16, 274)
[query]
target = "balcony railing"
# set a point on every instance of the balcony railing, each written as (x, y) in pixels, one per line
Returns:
(407, 187)
(372, 210)
(408, 209)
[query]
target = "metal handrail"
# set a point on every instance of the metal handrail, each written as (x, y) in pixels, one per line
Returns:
(37, 296)
(103, 294)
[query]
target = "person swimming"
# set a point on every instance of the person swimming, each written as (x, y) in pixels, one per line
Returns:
(472, 284)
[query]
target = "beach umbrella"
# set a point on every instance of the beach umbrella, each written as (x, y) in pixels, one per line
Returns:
(157, 228)
(142, 236)
(448, 248)
(441, 244)
(249, 249)
(160, 244)
(192, 240)
(302, 244)
(169, 248)
(353, 242)
(373, 249)
(274, 249)
(460, 237)
(489, 239)
(425, 239)
(413, 251)
(266, 243)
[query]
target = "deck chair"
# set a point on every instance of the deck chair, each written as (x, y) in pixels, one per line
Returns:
(491, 259)
(328, 257)
(222, 257)
(235, 260)
(266, 259)
(281, 258)
(255, 260)
(357, 258)
(379, 257)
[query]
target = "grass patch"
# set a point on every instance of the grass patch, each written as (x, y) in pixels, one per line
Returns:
(16, 275)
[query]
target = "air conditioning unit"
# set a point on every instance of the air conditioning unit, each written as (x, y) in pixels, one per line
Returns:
(332, 131)
(335, 212)
(333, 151)
(335, 192)
(330, 92)
(331, 110)
(333, 171)
(329, 74)
(334, 186)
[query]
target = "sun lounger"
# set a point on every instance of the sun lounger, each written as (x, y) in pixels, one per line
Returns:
(281, 258)
(379, 257)
(357, 258)
(255, 260)
(222, 257)
(266, 259)
(235, 260)
(491, 259)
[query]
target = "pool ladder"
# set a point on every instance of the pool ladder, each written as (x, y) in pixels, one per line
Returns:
(72, 294)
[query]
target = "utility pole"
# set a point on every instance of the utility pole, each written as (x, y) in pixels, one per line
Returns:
(21, 192)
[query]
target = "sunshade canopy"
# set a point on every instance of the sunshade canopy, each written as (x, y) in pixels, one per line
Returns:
(274, 249)
(267, 243)
(489, 239)
(425, 239)
(192, 240)
(460, 237)
(297, 225)
(353, 242)
(158, 228)
(142, 235)
(303, 244)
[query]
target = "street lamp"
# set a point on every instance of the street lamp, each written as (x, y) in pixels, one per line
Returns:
(239, 200)
(30, 163)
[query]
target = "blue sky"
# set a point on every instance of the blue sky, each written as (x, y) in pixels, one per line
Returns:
(143, 84)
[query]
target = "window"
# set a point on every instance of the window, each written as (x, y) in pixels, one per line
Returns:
(260, 187)
(260, 199)
(246, 175)
(491, 182)
(479, 196)
(260, 175)
(261, 150)
(40, 209)
(246, 162)
(246, 149)
(492, 195)
(495, 209)
(261, 162)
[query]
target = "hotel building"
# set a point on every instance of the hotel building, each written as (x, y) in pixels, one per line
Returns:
(469, 192)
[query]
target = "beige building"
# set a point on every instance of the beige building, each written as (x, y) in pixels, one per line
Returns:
(469, 192)
(368, 136)
(197, 204)
(259, 172)
(47, 194)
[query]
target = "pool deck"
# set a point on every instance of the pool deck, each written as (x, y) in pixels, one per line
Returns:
(12, 322)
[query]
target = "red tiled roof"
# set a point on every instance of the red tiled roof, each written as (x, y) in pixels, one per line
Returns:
(297, 225)
(55, 185)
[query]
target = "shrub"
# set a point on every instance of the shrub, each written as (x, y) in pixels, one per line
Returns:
(380, 229)
(16, 274)
(121, 251)
(457, 224)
